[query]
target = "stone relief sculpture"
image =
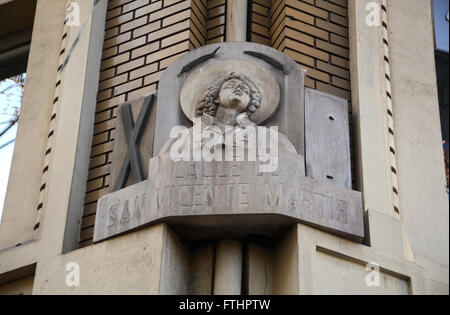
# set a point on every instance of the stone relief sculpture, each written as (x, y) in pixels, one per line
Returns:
(230, 100)
(224, 92)
(232, 92)
(242, 94)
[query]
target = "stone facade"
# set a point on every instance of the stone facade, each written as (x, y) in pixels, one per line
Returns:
(64, 166)
(326, 65)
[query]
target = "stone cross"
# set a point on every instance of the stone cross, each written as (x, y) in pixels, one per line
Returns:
(133, 134)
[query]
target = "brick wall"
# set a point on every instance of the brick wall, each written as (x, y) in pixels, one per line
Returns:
(312, 32)
(216, 21)
(259, 22)
(315, 34)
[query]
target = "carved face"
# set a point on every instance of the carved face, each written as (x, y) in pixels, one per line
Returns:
(234, 94)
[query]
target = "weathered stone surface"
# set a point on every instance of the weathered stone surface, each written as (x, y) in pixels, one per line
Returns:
(213, 200)
(145, 146)
(220, 200)
(327, 140)
(290, 77)
(194, 89)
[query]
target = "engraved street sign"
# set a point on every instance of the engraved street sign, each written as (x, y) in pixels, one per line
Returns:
(228, 195)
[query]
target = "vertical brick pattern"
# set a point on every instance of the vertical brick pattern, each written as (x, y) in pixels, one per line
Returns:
(215, 24)
(142, 38)
(315, 34)
(259, 21)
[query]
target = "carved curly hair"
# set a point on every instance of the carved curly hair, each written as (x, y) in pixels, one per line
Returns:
(210, 101)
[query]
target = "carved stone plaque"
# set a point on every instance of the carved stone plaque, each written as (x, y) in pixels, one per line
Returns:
(207, 181)
(327, 138)
(206, 200)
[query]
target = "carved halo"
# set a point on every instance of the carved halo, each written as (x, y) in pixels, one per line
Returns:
(205, 77)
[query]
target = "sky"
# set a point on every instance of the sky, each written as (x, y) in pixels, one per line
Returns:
(6, 152)
(440, 12)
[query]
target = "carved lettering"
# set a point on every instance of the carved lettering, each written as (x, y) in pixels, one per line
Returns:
(192, 170)
(292, 202)
(113, 215)
(243, 195)
(341, 207)
(273, 197)
(198, 195)
(122, 212)
(209, 196)
(185, 196)
(235, 170)
(125, 218)
(138, 206)
(208, 171)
